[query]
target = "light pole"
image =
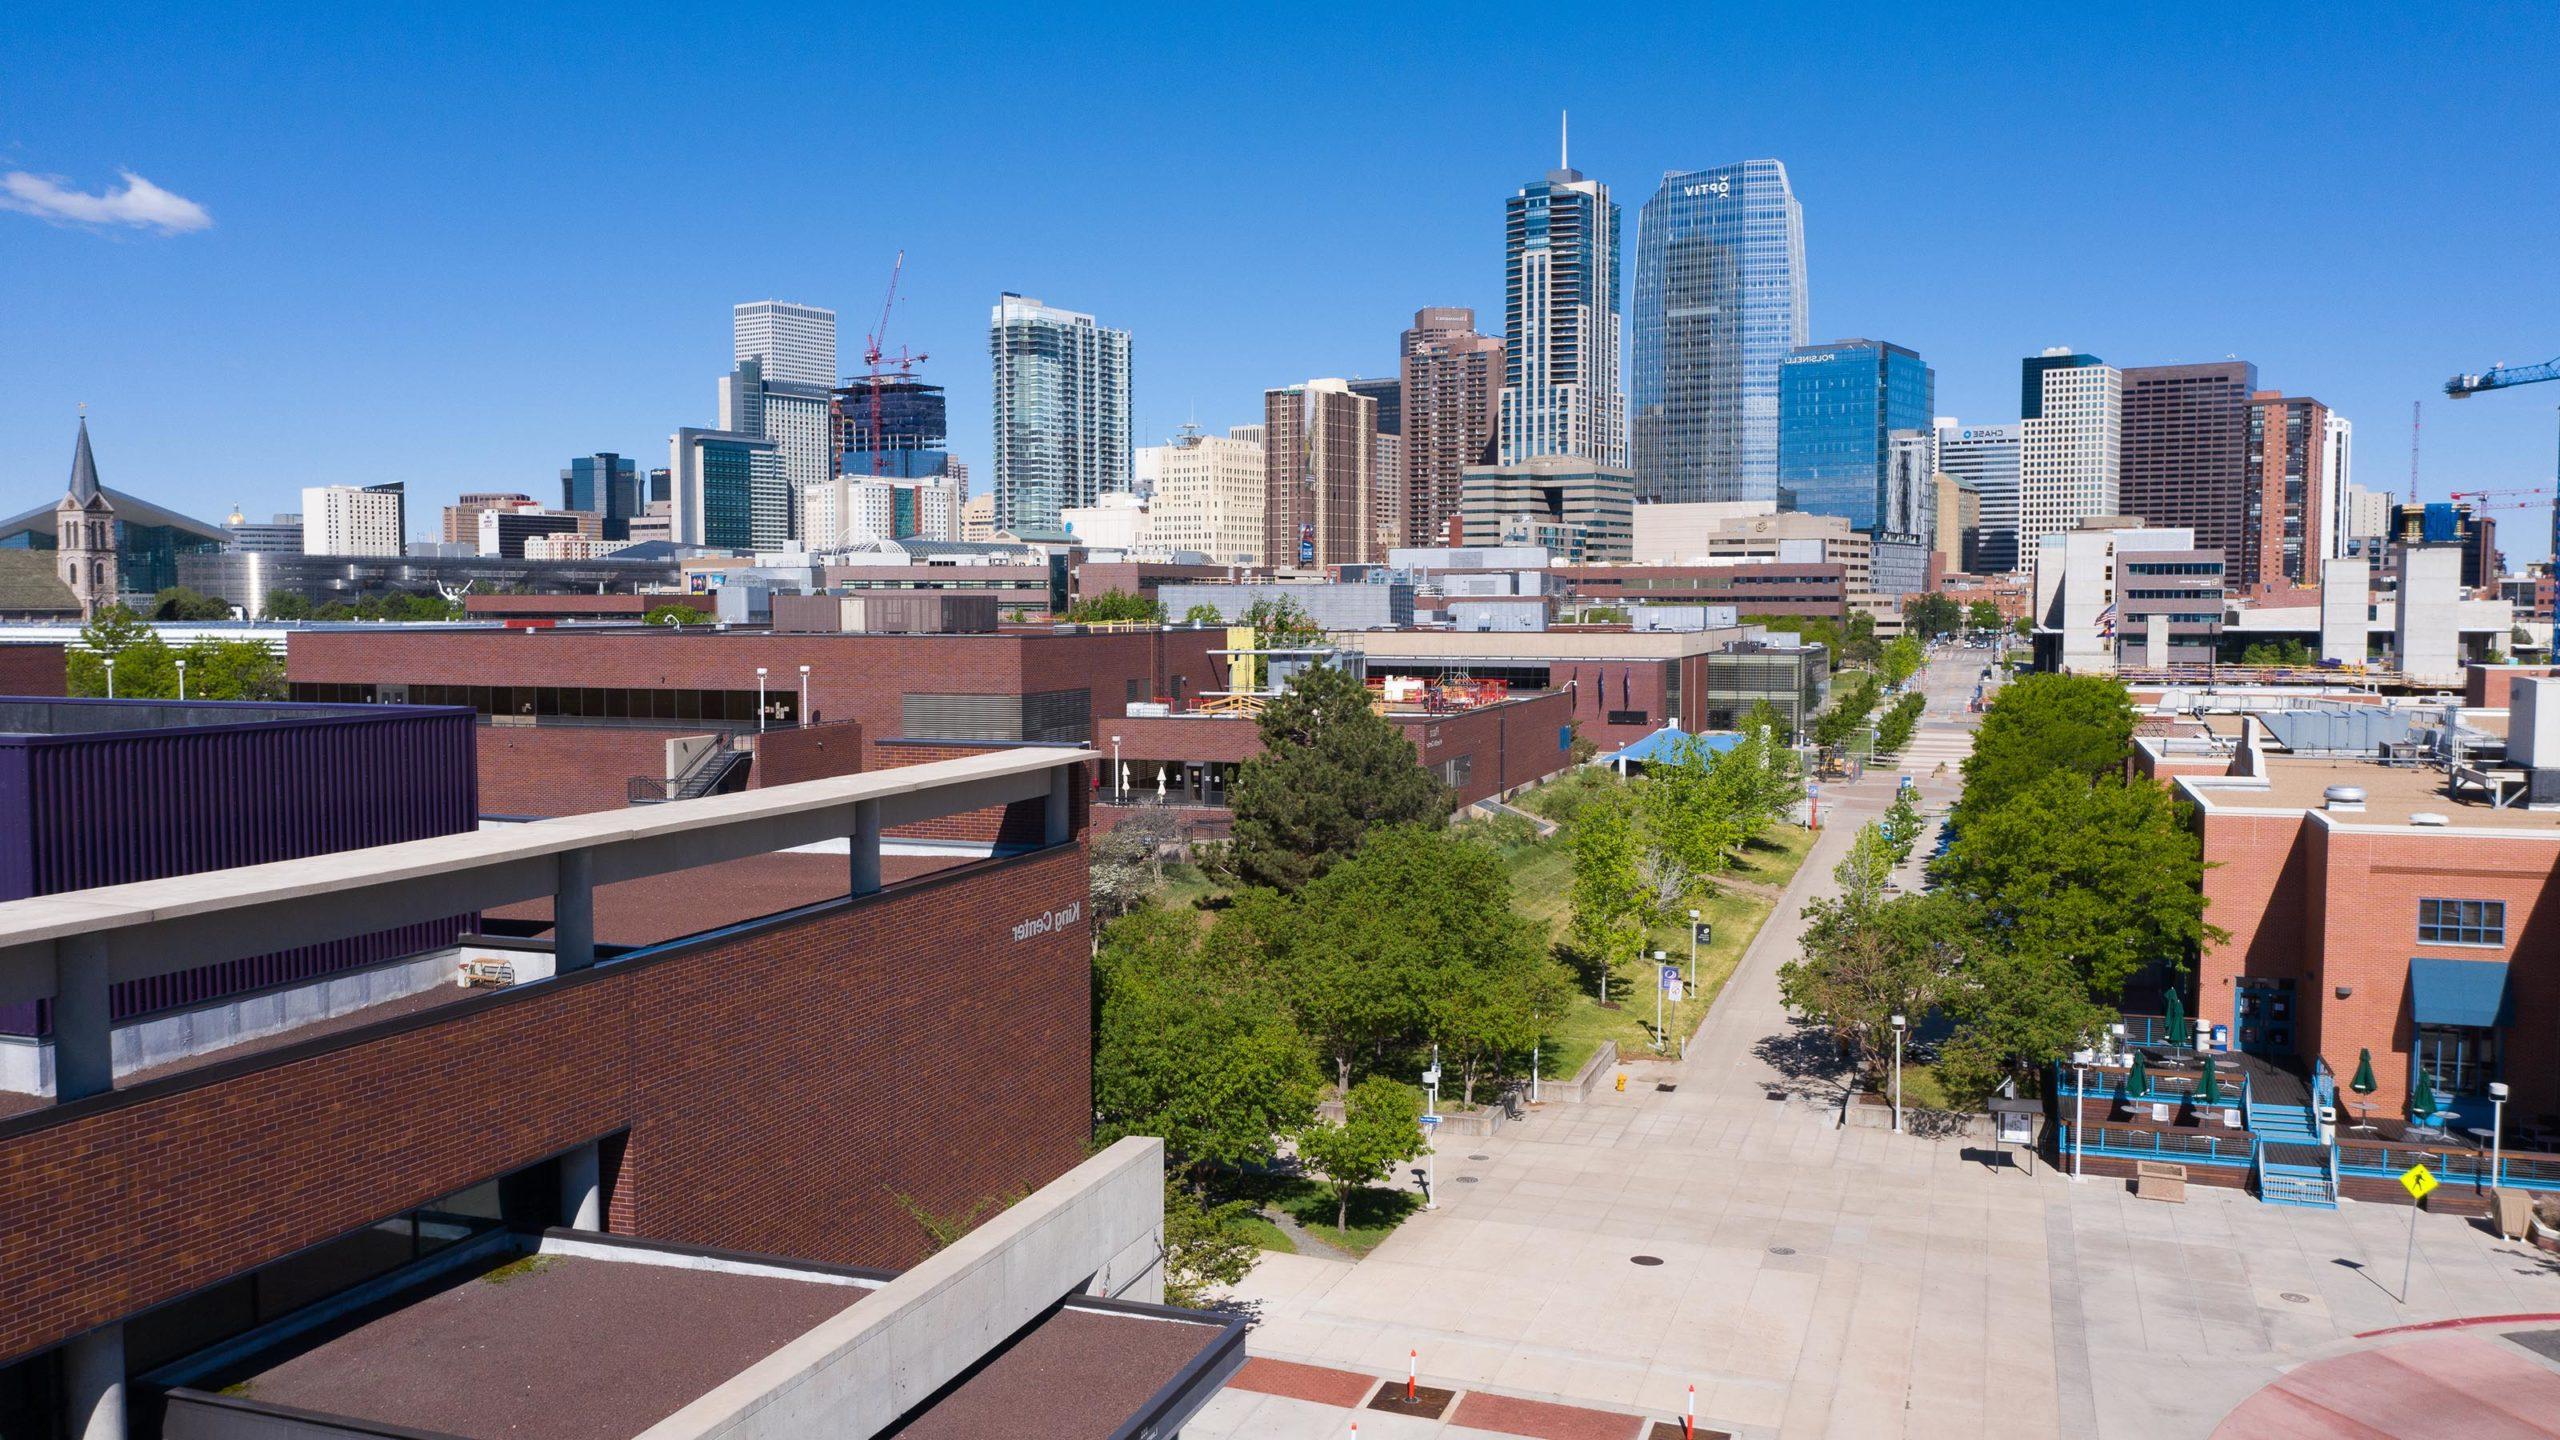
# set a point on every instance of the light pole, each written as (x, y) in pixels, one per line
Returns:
(2497, 1133)
(111, 677)
(759, 699)
(1693, 954)
(2079, 1116)
(1119, 782)
(182, 679)
(804, 695)
(1658, 1036)
(1898, 1025)
(1430, 1153)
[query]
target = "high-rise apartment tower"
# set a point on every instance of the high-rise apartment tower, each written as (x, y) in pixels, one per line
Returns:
(1061, 411)
(1560, 393)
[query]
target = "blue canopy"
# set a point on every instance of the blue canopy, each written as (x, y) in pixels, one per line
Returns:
(2458, 992)
(1662, 743)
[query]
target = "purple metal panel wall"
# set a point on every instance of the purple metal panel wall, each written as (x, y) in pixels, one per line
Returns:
(79, 811)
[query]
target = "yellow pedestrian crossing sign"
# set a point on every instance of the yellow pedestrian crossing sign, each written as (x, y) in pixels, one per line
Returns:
(2418, 1180)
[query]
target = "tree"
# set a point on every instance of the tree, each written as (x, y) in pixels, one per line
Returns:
(2103, 877)
(2277, 652)
(1900, 660)
(1610, 898)
(146, 666)
(1982, 615)
(1894, 731)
(286, 605)
(1932, 615)
(1902, 823)
(2079, 724)
(1853, 699)
(1604, 615)
(1331, 771)
(1203, 614)
(2014, 1012)
(1279, 624)
(676, 616)
(1864, 962)
(1115, 606)
(180, 603)
(1381, 1127)
(1127, 863)
(1193, 1043)
(1691, 823)
(1205, 1243)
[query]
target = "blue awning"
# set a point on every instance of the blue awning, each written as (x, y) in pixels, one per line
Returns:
(2458, 992)
(1662, 743)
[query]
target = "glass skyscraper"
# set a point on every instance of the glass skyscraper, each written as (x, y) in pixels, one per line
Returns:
(604, 484)
(1838, 404)
(1560, 391)
(1061, 411)
(1719, 304)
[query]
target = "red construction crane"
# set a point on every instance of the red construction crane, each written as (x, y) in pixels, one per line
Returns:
(2543, 491)
(874, 376)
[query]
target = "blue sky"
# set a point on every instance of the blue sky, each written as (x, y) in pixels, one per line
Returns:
(456, 245)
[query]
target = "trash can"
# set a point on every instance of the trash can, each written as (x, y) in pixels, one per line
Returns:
(2509, 1210)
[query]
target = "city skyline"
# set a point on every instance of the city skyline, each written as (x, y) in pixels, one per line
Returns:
(627, 310)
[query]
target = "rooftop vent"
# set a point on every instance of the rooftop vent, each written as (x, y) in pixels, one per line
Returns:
(2428, 817)
(2343, 797)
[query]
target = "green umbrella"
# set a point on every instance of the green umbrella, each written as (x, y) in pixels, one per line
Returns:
(2177, 1018)
(2137, 1080)
(2363, 1083)
(2210, 1091)
(2425, 1103)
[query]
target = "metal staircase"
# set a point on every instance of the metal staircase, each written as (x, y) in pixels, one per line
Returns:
(2294, 1166)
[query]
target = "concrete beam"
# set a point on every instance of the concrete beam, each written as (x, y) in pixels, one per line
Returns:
(573, 912)
(864, 844)
(93, 1385)
(854, 1374)
(84, 1059)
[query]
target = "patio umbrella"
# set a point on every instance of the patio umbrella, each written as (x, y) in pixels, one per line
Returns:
(2424, 1104)
(2177, 1018)
(2363, 1083)
(2138, 1079)
(2209, 1092)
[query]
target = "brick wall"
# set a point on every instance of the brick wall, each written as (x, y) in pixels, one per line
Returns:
(807, 752)
(778, 1089)
(567, 769)
(1024, 822)
(2485, 687)
(1508, 745)
(32, 670)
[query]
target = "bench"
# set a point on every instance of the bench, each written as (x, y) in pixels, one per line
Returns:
(2160, 1180)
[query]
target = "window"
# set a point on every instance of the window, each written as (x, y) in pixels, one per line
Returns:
(2462, 922)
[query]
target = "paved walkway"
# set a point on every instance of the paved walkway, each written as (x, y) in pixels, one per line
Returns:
(1818, 1281)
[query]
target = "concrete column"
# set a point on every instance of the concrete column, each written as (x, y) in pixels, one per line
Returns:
(1062, 803)
(866, 847)
(84, 1061)
(573, 913)
(582, 1188)
(93, 1385)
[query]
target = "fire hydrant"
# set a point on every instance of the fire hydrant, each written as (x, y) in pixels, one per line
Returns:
(1622, 1082)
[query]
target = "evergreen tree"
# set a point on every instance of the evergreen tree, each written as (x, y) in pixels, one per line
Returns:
(1331, 770)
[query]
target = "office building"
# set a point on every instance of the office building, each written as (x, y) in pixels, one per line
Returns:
(503, 533)
(1209, 495)
(2185, 457)
(1958, 544)
(1387, 502)
(792, 344)
(462, 518)
(1560, 393)
(849, 509)
(1577, 511)
(799, 420)
(605, 485)
(2444, 525)
(2289, 463)
(895, 430)
(1720, 302)
(1117, 521)
(1986, 458)
(351, 519)
(2367, 520)
(1839, 404)
(2070, 443)
(2088, 588)
(978, 519)
(1062, 431)
(2337, 486)
(1318, 466)
(279, 536)
(729, 489)
(1452, 398)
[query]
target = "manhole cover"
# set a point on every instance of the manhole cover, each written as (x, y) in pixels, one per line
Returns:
(1777, 1094)
(1479, 1157)
(2297, 1298)
(1466, 1179)
(1646, 1259)
(1782, 1249)
(1667, 1086)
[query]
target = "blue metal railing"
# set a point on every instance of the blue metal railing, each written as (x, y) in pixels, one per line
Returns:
(2158, 1089)
(2123, 1142)
(2531, 1171)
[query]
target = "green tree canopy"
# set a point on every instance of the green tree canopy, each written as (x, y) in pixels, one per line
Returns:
(1279, 624)
(285, 605)
(1866, 960)
(146, 666)
(2277, 652)
(1115, 606)
(1900, 660)
(1381, 1127)
(1982, 615)
(675, 615)
(180, 603)
(1203, 614)
(1331, 771)
(1611, 901)
(1932, 615)
(2081, 725)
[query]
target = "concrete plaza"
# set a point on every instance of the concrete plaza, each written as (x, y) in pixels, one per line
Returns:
(1820, 1281)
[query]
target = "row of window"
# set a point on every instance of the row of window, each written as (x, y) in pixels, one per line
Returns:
(2462, 922)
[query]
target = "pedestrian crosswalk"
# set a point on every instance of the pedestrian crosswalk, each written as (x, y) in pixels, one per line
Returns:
(1935, 745)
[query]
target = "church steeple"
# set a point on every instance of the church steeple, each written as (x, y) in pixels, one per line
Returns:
(84, 532)
(84, 468)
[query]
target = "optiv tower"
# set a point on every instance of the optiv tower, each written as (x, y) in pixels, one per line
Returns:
(1719, 303)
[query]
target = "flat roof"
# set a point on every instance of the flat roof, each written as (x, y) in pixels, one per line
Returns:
(600, 1338)
(2393, 793)
(1491, 646)
(54, 717)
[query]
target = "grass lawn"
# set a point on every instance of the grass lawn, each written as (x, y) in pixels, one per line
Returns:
(1184, 885)
(1375, 1214)
(1266, 1236)
(1921, 1088)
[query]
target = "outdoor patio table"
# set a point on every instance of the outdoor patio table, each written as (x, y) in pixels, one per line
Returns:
(2481, 1135)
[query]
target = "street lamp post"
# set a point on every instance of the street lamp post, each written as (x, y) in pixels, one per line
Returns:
(1657, 1000)
(1693, 954)
(759, 699)
(182, 679)
(111, 677)
(2079, 1116)
(1431, 1153)
(2497, 1133)
(804, 694)
(1119, 782)
(1898, 1026)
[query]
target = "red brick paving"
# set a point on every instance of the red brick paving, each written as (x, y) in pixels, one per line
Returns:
(1293, 1381)
(2451, 1385)
(1508, 1416)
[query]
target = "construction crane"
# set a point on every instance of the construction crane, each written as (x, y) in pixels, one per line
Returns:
(2500, 377)
(2504, 497)
(874, 376)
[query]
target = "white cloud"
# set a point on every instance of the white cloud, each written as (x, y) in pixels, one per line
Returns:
(139, 203)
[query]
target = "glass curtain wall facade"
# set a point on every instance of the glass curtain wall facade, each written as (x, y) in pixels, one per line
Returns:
(1720, 302)
(1838, 405)
(1986, 457)
(1061, 412)
(906, 440)
(603, 484)
(1560, 393)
